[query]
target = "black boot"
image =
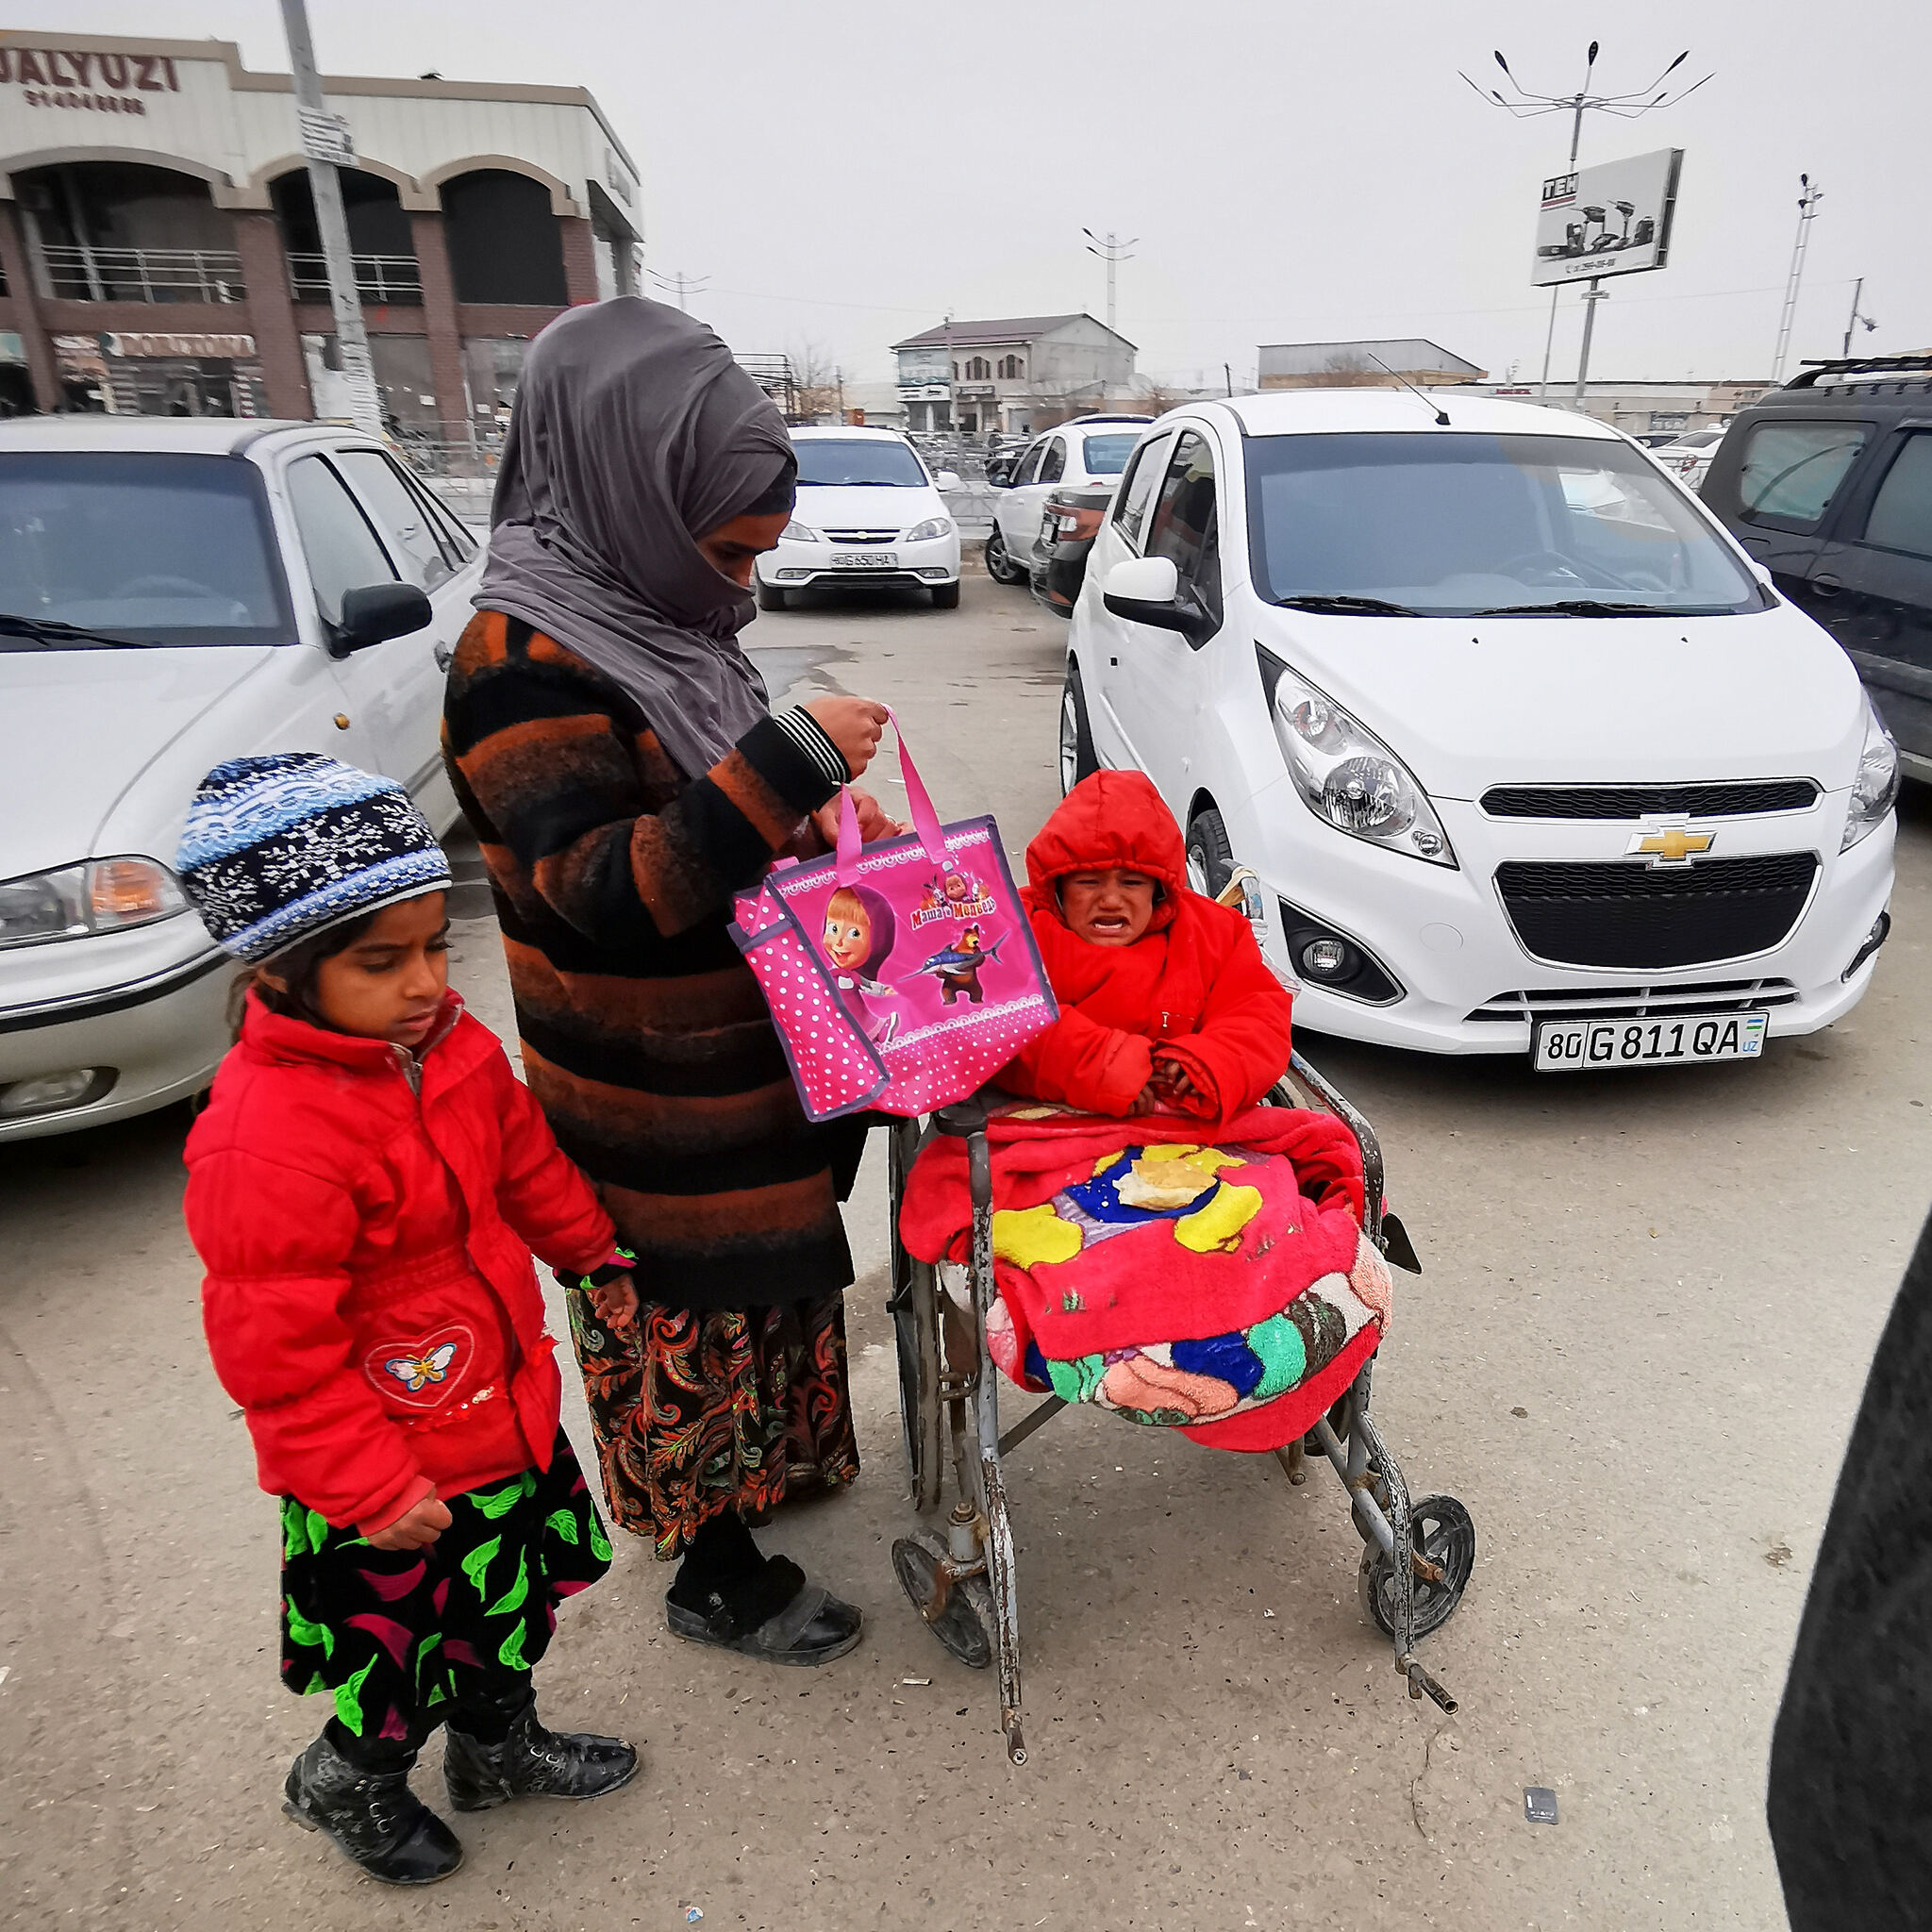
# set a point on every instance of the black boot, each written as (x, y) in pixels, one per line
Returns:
(531, 1762)
(372, 1816)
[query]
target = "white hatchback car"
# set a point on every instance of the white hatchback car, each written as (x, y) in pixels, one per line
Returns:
(1090, 449)
(869, 513)
(173, 593)
(1526, 753)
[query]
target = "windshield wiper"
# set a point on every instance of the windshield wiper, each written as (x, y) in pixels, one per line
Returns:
(1349, 607)
(1581, 607)
(50, 630)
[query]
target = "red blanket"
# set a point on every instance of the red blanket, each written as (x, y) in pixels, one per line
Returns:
(1209, 1278)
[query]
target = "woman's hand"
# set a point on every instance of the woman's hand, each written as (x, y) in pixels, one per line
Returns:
(872, 823)
(616, 1302)
(854, 725)
(416, 1529)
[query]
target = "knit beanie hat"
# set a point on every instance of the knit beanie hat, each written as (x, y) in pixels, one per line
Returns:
(278, 849)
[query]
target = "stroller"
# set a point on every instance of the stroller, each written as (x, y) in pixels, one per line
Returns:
(963, 1580)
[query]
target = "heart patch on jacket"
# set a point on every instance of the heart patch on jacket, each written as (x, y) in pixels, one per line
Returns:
(423, 1371)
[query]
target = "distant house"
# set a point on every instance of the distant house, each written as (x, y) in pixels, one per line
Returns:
(1018, 373)
(1363, 365)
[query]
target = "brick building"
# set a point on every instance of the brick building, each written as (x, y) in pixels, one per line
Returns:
(160, 252)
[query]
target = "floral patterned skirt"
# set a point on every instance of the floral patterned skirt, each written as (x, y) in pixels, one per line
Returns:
(700, 1410)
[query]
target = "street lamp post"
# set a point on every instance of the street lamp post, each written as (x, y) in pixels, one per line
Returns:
(1525, 105)
(1851, 326)
(1809, 195)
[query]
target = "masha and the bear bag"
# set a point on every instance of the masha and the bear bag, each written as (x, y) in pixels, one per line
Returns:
(901, 976)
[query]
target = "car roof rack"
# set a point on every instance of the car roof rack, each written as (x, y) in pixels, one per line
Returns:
(1816, 366)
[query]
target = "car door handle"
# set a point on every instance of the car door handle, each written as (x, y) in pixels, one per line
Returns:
(444, 656)
(1826, 585)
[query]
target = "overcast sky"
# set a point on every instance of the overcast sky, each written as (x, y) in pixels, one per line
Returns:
(845, 170)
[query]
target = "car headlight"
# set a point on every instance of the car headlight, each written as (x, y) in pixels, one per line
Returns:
(1874, 790)
(1348, 776)
(97, 895)
(798, 533)
(925, 532)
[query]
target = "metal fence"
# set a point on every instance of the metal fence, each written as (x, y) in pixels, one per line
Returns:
(457, 461)
(380, 279)
(77, 273)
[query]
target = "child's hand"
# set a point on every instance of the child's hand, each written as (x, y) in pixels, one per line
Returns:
(1146, 1100)
(416, 1529)
(616, 1302)
(1172, 1080)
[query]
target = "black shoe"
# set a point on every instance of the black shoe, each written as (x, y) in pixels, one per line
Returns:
(782, 1619)
(532, 1763)
(372, 1816)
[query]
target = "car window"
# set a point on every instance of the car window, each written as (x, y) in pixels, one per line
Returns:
(144, 546)
(1054, 465)
(1792, 470)
(459, 545)
(342, 549)
(1901, 515)
(1028, 471)
(1107, 456)
(1130, 509)
(1184, 510)
(407, 532)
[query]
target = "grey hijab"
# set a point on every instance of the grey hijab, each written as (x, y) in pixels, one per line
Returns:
(635, 431)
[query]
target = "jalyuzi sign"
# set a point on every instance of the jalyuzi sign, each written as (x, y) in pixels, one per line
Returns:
(71, 78)
(1610, 220)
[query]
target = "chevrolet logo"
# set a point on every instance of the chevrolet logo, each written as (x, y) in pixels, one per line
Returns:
(1670, 845)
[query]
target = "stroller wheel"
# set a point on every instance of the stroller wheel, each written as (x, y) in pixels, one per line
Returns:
(1441, 1534)
(965, 1626)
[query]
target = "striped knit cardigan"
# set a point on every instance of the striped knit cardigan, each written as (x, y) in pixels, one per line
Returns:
(646, 1038)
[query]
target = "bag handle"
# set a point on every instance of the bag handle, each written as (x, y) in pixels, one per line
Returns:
(925, 821)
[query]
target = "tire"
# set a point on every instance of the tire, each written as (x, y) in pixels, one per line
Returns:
(1443, 1534)
(1077, 757)
(999, 566)
(946, 596)
(1210, 857)
(771, 596)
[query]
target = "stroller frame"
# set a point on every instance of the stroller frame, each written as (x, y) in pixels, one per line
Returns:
(1417, 1556)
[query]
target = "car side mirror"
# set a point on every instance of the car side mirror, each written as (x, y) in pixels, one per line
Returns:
(377, 612)
(1147, 589)
(948, 479)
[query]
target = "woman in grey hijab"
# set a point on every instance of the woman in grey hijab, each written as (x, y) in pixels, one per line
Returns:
(613, 747)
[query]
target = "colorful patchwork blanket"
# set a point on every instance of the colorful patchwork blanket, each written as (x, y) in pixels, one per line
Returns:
(1222, 1287)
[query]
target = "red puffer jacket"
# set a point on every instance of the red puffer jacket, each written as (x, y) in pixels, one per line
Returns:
(369, 1299)
(1194, 983)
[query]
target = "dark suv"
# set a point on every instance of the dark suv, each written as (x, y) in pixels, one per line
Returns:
(1829, 483)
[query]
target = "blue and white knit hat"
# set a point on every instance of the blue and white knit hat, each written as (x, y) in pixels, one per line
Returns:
(279, 848)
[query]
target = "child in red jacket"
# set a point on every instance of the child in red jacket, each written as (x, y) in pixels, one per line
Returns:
(1165, 999)
(364, 1188)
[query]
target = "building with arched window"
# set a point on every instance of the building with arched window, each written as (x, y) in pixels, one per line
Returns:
(160, 255)
(981, 376)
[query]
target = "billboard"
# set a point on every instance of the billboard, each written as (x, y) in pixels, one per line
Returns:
(1610, 220)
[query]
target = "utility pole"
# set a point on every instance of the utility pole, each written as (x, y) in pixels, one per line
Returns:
(1525, 106)
(326, 145)
(1808, 198)
(1113, 251)
(950, 420)
(681, 285)
(1227, 376)
(1858, 297)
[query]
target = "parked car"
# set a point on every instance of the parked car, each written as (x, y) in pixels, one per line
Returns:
(869, 514)
(1688, 454)
(1827, 482)
(1526, 753)
(1090, 449)
(175, 593)
(1069, 524)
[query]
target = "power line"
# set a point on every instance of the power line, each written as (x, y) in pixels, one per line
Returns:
(681, 285)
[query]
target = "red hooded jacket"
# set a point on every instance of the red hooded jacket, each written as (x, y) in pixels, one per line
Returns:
(366, 1224)
(1194, 983)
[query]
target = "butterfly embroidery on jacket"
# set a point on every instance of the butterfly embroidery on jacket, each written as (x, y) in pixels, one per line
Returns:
(415, 1370)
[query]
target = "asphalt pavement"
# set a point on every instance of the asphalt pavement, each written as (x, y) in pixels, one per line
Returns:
(1647, 1311)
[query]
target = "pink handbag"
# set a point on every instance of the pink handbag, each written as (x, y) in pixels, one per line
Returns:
(903, 976)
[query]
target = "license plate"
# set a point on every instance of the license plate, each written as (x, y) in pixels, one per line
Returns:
(1585, 1046)
(865, 559)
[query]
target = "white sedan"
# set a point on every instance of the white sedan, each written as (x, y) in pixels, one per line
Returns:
(869, 516)
(1090, 449)
(173, 593)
